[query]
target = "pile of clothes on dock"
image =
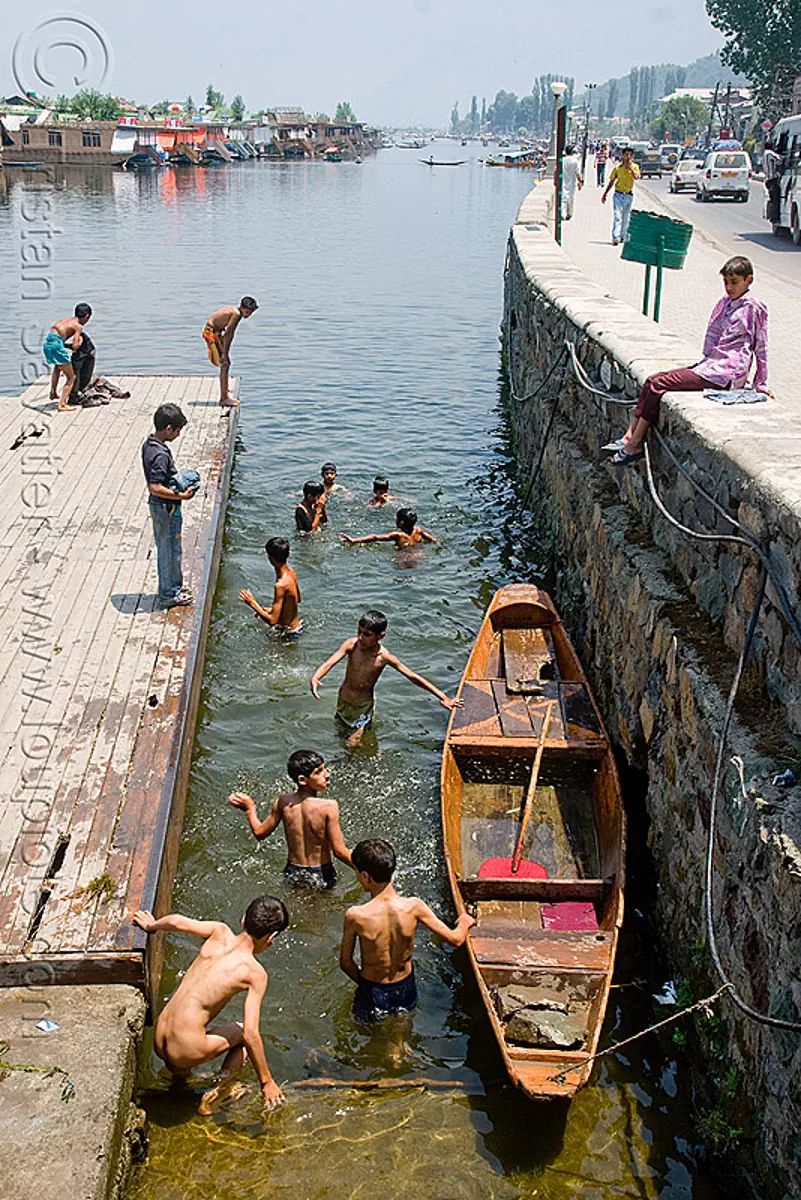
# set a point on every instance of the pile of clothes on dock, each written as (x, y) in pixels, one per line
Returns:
(90, 390)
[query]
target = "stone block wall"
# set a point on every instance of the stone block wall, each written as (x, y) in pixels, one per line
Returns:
(659, 620)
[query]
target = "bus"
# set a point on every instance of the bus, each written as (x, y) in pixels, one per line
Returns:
(786, 138)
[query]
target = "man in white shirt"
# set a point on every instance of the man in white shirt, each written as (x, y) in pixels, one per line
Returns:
(571, 179)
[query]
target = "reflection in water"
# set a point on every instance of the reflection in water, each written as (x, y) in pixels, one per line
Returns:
(375, 346)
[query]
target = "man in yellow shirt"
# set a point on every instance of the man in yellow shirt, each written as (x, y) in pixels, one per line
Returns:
(622, 179)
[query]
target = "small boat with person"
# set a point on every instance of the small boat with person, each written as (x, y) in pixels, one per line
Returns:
(433, 162)
(534, 835)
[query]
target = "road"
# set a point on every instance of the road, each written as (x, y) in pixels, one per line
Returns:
(737, 228)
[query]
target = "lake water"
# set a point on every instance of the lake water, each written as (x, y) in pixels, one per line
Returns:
(375, 345)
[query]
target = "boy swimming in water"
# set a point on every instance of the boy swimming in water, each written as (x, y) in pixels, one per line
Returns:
(218, 334)
(59, 356)
(366, 660)
(406, 532)
(380, 495)
(311, 514)
(311, 823)
(283, 612)
(385, 928)
(225, 966)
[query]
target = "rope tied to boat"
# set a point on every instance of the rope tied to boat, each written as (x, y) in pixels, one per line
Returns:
(704, 1005)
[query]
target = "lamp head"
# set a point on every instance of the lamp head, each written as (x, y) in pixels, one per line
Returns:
(558, 88)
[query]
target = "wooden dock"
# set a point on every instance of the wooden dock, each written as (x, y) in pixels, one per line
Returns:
(99, 686)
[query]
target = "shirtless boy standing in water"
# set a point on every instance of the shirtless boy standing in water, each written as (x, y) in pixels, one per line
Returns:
(311, 823)
(225, 966)
(218, 333)
(406, 532)
(366, 660)
(385, 928)
(283, 612)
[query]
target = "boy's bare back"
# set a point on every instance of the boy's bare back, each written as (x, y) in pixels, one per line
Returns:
(68, 327)
(385, 928)
(222, 969)
(308, 828)
(286, 597)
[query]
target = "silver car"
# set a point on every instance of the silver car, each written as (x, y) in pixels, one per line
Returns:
(687, 170)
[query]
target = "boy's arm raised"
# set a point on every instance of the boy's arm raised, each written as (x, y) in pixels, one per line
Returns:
(444, 700)
(347, 962)
(257, 986)
(454, 937)
(369, 537)
(324, 668)
(261, 829)
(335, 838)
(426, 536)
(176, 923)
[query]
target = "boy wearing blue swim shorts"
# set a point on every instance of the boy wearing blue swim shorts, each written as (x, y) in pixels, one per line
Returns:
(385, 928)
(59, 356)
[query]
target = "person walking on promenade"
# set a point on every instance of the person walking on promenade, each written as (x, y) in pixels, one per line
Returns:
(736, 339)
(601, 157)
(571, 179)
(165, 504)
(622, 180)
(772, 164)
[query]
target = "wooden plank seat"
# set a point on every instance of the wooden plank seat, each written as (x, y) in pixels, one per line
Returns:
(490, 711)
(542, 891)
(503, 940)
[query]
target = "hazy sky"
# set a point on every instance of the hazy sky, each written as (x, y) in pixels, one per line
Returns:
(397, 61)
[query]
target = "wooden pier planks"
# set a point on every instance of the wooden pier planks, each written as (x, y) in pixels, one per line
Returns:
(116, 769)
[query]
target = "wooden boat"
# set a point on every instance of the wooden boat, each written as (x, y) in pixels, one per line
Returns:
(543, 948)
(432, 162)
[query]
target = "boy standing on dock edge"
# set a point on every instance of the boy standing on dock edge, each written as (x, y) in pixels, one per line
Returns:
(165, 504)
(218, 334)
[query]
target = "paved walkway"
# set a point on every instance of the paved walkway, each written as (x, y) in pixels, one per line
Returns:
(688, 295)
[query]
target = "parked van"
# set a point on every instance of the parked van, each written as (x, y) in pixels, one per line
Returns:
(725, 173)
(786, 137)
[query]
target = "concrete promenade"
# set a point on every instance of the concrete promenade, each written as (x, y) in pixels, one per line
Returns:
(689, 294)
(100, 688)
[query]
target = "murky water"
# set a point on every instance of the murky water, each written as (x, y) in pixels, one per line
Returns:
(376, 345)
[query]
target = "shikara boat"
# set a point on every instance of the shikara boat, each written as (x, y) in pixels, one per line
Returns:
(534, 833)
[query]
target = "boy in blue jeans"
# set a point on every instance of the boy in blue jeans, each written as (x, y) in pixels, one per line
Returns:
(165, 503)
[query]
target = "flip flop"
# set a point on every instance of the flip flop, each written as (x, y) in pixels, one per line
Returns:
(623, 459)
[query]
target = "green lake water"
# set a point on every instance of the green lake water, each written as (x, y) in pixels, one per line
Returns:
(376, 345)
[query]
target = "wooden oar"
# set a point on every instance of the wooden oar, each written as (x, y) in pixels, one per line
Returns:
(531, 789)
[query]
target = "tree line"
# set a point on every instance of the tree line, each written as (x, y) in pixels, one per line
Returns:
(90, 105)
(509, 113)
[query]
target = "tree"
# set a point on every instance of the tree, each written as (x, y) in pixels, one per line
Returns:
(483, 110)
(214, 99)
(345, 113)
(189, 107)
(237, 108)
(681, 75)
(91, 105)
(503, 112)
(455, 117)
(160, 107)
(670, 83)
(474, 115)
(611, 100)
(680, 118)
(763, 41)
(528, 112)
(634, 84)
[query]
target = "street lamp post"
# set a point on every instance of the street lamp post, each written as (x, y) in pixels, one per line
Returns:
(558, 89)
(587, 109)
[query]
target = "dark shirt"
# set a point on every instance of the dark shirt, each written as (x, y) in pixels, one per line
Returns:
(158, 465)
(302, 519)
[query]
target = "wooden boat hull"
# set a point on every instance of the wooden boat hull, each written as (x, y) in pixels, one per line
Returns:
(546, 945)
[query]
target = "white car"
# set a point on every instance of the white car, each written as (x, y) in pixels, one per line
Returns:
(725, 173)
(687, 170)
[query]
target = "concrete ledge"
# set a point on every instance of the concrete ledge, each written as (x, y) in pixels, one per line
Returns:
(57, 1149)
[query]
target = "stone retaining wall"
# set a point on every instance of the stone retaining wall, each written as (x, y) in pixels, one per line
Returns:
(659, 620)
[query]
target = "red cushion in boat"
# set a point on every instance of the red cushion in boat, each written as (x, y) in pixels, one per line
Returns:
(501, 868)
(569, 915)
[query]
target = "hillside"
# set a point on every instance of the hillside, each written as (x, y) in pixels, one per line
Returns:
(704, 72)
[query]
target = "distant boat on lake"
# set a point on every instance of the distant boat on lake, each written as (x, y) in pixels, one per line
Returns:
(432, 162)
